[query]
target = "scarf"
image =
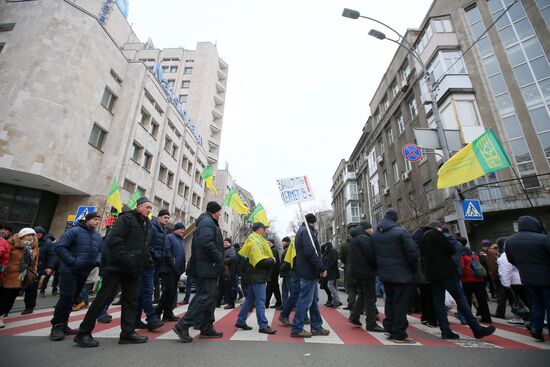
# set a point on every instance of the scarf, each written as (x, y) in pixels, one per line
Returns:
(256, 249)
(26, 261)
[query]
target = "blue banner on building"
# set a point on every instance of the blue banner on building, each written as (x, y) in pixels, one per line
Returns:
(123, 6)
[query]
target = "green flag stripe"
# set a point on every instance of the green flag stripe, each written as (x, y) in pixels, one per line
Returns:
(489, 153)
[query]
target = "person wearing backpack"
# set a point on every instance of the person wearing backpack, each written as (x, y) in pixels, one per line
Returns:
(473, 278)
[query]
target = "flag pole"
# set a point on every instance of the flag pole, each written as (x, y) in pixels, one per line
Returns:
(307, 227)
(535, 211)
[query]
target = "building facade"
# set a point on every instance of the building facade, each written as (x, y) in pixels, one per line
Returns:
(83, 104)
(488, 77)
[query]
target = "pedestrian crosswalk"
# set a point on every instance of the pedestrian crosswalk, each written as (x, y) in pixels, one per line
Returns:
(341, 331)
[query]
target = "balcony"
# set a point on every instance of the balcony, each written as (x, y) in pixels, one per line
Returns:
(509, 195)
(218, 101)
(449, 82)
(220, 88)
(221, 75)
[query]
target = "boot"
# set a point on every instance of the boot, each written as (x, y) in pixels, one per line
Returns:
(133, 338)
(85, 340)
(27, 311)
(57, 334)
(67, 330)
(211, 333)
(229, 306)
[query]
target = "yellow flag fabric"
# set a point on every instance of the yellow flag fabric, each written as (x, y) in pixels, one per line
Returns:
(113, 197)
(259, 215)
(482, 156)
(255, 249)
(290, 253)
(234, 201)
(206, 174)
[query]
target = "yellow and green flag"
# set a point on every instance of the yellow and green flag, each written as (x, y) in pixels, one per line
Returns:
(234, 201)
(132, 202)
(259, 215)
(482, 156)
(290, 253)
(256, 249)
(208, 178)
(113, 197)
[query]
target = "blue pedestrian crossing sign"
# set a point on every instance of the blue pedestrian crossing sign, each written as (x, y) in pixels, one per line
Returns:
(82, 212)
(472, 210)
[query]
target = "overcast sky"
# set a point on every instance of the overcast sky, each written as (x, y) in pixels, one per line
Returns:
(300, 81)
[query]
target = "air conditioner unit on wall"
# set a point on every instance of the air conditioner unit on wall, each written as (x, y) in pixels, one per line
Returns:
(380, 159)
(405, 176)
(404, 86)
(386, 191)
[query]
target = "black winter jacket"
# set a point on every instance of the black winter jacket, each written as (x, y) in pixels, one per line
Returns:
(437, 255)
(529, 251)
(363, 260)
(330, 259)
(127, 244)
(308, 261)
(46, 255)
(206, 249)
(395, 251)
(158, 244)
(79, 249)
(284, 269)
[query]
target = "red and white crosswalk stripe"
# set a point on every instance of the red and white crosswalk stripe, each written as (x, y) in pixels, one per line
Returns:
(335, 320)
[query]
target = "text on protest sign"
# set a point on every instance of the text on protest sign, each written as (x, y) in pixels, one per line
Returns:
(295, 189)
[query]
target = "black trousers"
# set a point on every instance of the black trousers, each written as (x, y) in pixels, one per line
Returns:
(7, 298)
(481, 296)
(202, 307)
(31, 292)
(225, 289)
(427, 304)
(324, 286)
(273, 289)
(397, 304)
(70, 286)
(352, 287)
(365, 301)
(166, 300)
(128, 299)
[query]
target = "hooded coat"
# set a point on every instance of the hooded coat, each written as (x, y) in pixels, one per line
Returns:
(362, 257)
(11, 276)
(437, 253)
(396, 253)
(529, 251)
(79, 249)
(330, 259)
(206, 249)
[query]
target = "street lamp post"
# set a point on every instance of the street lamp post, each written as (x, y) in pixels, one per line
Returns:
(402, 42)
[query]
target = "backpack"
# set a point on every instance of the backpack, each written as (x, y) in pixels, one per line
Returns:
(478, 269)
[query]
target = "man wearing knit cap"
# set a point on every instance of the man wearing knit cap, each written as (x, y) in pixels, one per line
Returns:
(363, 266)
(128, 255)
(309, 267)
(206, 265)
(396, 258)
(79, 250)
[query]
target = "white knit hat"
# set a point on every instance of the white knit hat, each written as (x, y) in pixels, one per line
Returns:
(25, 231)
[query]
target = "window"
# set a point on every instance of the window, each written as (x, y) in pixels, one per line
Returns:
(385, 103)
(386, 182)
(395, 170)
(163, 171)
(116, 77)
(405, 71)
(400, 123)
(197, 176)
(144, 118)
(171, 82)
(226, 217)
(188, 70)
(381, 147)
(186, 192)
(97, 136)
(430, 194)
(389, 134)
(142, 190)
(154, 129)
(168, 144)
(129, 185)
(147, 160)
(6, 27)
(165, 69)
(185, 84)
(174, 151)
(2, 44)
(170, 179)
(136, 151)
(395, 88)
(108, 99)
(408, 165)
(181, 188)
(157, 201)
(173, 68)
(183, 98)
(412, 107)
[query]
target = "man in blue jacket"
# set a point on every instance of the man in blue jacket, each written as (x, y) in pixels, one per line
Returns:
(396, 258)
(170, 270)
(529, 251)
(80, 251)
(157, 243)
(309, 267)
(206, 265)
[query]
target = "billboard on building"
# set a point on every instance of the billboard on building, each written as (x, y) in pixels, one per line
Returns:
(123, 6)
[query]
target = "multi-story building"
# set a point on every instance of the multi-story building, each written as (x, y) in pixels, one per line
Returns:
(82, 103)
(487, 76)
(325, 226)
(345, 201)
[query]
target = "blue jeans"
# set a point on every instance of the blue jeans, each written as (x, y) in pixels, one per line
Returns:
(86, 292)
(540, 302)
(308, 299)
(454, 287)
(70, 285)
(286, 289)
(293, 297)
(145, 298)
(255, 296)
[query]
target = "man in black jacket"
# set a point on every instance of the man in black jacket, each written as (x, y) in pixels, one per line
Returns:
(437, 257)
(284, 272)
(529, 251)
(273, 282)
(396, 259)
(363, 264)
(330, 259)
(205, 265)
(128, 256)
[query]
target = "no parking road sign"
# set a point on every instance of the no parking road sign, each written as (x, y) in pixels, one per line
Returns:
(412, 152)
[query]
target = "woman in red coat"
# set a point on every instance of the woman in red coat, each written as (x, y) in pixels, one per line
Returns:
(474, 285)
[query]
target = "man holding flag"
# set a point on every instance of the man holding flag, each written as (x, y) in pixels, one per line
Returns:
(260, 260)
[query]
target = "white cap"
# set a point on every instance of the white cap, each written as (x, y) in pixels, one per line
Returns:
(25, 231)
